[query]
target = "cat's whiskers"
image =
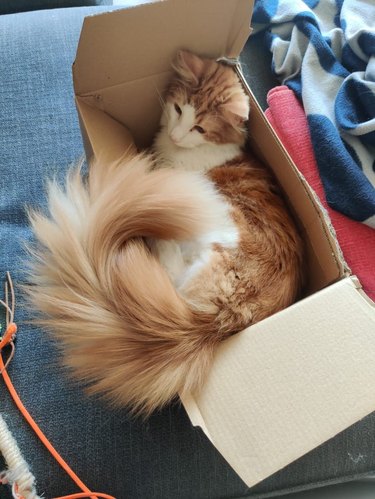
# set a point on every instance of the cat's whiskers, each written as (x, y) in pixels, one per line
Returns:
(160, 97)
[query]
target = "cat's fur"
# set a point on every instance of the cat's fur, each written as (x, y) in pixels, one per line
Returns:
(142, 272)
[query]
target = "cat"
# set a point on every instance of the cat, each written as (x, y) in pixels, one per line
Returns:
(144, 270)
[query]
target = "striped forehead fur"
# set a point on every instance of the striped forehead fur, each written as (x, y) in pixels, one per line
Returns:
(215, 91)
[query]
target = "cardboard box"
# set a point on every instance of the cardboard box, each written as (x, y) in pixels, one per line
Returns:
(289, 383)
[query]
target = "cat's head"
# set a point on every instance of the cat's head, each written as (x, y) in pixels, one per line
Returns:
(205, 103)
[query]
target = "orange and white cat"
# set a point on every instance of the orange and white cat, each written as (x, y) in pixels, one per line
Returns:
(144, 270)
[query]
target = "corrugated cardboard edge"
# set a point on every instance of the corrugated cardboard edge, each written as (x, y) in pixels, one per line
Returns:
(251, 405)
(321, 212)
(194, 413)
(103, 137)
(102, 35)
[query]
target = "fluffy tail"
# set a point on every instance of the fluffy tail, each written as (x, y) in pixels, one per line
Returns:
(123, 327)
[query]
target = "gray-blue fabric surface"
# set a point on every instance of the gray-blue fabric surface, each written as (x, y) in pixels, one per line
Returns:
(12, 6)
(164, 458)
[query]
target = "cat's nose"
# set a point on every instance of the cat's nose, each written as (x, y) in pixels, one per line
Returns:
(174, 138)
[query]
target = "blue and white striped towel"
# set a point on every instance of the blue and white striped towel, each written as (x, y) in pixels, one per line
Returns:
(325, 51)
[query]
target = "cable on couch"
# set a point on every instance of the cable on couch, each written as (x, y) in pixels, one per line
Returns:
(18, 474)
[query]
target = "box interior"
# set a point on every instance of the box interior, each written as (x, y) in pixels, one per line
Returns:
(128, 90)
(123, 70)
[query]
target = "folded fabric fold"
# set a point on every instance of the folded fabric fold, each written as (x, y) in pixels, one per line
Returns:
(357, 240)
(324, 50)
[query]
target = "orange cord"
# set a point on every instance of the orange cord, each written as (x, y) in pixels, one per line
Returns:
(83, 494)
(8, 339)
(9, 334)
(78, 495)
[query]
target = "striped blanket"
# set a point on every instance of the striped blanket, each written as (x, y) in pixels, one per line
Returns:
(324, 50)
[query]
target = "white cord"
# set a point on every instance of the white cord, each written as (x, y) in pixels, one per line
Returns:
(18, 474)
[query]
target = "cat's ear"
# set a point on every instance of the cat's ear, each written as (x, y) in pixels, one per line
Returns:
(237, 109)
(189, 66)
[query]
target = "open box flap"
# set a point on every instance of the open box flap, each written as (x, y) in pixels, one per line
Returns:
(154, 32)
(279, 389)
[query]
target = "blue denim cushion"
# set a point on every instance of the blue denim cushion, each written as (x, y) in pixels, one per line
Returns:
(12, 6)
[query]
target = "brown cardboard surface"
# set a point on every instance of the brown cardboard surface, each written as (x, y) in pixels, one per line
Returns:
(136, 104)
(291, 382)
(104, 137)
(131, 44)
(122, 69)
(262, 404)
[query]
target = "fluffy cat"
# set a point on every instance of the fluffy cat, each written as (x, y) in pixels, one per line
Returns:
(144, 270)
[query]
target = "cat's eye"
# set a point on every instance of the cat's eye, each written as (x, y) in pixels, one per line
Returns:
(199, 129)
(178, 109)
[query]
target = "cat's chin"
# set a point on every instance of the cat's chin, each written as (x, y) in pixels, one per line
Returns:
(183, 147)
(180, 146)
(202, 145)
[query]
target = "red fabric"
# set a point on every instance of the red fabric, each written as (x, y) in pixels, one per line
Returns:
(357, 240)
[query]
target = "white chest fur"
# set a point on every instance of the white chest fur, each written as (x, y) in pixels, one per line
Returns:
(201, 158)
(184, 260)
